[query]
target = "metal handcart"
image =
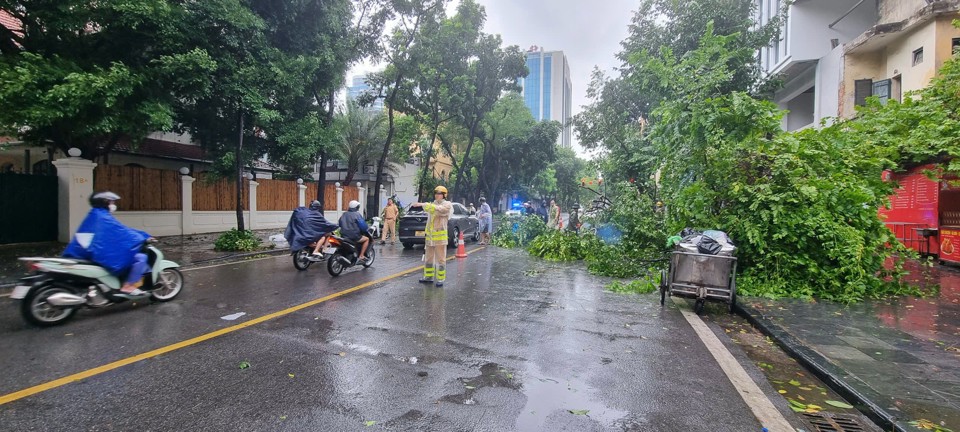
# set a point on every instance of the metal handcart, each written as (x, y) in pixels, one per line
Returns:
(700, 277)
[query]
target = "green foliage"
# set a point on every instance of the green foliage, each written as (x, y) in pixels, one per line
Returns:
(560, 246)
(637, 286)
(518, 231)
(237, 241)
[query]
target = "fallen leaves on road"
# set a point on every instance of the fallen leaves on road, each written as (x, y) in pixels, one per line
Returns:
(244, 364)
(838, 404)
(290, 375)
(929, 425)
(579, 412)
(369, 423)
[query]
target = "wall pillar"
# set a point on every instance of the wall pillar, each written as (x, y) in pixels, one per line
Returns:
(74, 187)
(186, 205)
(339, 200)
(362, 197)
(301, 195)
(383, 198)
(253, 204)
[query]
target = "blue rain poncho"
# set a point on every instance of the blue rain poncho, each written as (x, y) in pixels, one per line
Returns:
(102, 239)
(306, 226)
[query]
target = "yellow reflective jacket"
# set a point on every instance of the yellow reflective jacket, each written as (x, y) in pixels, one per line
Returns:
(436, 228)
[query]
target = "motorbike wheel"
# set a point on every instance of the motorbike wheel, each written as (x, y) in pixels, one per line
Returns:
(334, 266)
(170, 285)
(371, 257)
(37, 311)
(301, 259)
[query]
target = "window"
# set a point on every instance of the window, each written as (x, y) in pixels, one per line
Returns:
(918, 56)
(862, 90)
(955, 45)
(881, 89)
(459, 210)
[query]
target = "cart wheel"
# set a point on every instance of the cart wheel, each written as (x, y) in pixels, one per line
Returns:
(698, 307)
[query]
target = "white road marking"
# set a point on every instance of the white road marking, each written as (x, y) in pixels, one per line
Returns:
(768, 415)
(230, 263)
(232, 317)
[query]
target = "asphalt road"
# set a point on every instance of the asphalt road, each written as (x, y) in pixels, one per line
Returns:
(501, 347)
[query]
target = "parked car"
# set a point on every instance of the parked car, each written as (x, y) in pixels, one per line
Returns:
(414, 221)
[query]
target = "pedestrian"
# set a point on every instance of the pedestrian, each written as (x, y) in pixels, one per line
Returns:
(528, 209)
(435, 233)
(390, 213)
(553, 217)
(574, 223)
(542, 211)
(486, 221)
(471, 210)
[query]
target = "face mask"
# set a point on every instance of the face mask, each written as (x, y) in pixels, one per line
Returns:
(112, 207)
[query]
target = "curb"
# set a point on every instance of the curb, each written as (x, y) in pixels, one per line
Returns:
(820, 366)
(8, 288)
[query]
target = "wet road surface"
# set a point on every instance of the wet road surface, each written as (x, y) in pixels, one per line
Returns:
(501, 347)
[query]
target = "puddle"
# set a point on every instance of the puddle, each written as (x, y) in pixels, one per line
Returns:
(491, 375)
(363, 349)
(546, 395)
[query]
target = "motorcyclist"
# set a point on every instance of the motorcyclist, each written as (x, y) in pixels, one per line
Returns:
(307, 225)
(353, 228)
(101, 238)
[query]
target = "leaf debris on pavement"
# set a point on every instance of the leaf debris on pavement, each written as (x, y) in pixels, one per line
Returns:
(579, 412)
(244, 364)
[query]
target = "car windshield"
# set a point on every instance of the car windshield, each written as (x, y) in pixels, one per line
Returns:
(414, 209)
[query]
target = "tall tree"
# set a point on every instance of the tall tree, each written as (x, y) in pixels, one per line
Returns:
(397, 49)
(491, 72)
(361, 132)
(88, 74)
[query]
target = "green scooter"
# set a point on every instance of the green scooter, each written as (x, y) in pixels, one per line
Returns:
(57, 287)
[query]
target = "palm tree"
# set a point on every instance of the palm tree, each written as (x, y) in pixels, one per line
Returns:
(362, 132)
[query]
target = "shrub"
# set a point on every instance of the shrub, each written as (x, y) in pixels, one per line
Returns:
(639, 286)
(518, 231)
(560, 246)
(237, 241)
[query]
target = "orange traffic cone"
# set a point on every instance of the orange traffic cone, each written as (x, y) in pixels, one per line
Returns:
(461, 251)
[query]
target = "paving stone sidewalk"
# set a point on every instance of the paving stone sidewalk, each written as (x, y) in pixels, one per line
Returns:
(902, 356)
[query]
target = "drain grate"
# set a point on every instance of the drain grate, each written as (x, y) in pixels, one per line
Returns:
(827, 422)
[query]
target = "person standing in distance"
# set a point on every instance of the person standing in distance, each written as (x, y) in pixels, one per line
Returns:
(390, 213)
(435, 241)
(486, 221)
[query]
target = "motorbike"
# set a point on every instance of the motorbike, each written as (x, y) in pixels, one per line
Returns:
(344, 254)
(303, 258)
(57, 287)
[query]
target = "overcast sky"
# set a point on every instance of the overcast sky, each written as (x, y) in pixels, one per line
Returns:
(587, 31)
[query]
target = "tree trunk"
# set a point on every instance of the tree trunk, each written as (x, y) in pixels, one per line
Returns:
(426, 167)
(466, 160)
(239, 172)
(381, 164)
(326, 120)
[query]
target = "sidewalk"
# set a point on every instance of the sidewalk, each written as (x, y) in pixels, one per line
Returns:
(185, 250)
(899, 358)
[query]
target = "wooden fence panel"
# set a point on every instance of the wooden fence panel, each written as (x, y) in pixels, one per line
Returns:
(140, 189)
(277, 195)
(311, 192)
(218, 195)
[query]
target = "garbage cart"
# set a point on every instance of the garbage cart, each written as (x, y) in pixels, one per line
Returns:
(701, 277)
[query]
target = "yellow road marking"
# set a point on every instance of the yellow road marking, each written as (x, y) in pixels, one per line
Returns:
(30, 391)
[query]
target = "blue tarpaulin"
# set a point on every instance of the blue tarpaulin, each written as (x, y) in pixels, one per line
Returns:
(306, 226)
(102, 239)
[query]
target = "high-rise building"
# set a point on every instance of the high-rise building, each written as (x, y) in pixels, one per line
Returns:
(360, 87)
(547, 90)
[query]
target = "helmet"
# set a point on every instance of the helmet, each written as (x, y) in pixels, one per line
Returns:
(315, 205)
(440, 189)
(102, 199)
(354, 205)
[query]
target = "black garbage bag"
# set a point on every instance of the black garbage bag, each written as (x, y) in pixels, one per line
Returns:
(307, 226)
(709, 246)
(689, 232)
